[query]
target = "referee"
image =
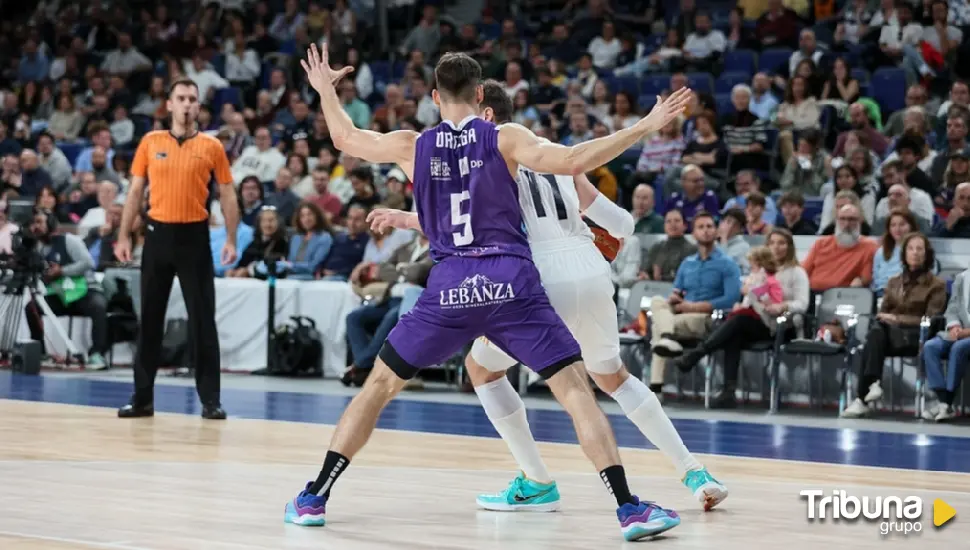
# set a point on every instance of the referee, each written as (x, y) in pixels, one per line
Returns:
(179, 165)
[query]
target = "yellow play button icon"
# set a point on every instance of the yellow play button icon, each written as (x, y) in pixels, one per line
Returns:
(942, 512)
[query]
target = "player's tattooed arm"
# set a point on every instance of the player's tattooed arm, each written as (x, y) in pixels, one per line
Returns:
(518, 144)
(394, 147)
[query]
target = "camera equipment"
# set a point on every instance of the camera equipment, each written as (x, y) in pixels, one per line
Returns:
(21, 274)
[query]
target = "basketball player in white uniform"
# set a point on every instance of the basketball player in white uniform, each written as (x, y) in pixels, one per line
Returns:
(577, 280)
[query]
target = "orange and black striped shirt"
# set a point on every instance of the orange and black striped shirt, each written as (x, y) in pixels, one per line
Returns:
(179, 174)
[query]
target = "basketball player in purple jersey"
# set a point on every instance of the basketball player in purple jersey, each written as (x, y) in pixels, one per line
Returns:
(484, 282)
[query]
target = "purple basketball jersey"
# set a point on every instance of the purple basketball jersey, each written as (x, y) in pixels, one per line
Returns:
(466, 198)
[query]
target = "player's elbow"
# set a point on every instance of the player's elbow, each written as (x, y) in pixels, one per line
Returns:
(626, 227)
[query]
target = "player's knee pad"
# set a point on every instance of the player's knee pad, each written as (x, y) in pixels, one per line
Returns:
(606, 367)
(490, 357)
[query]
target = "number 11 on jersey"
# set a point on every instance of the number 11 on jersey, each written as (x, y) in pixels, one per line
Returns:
(464, 236)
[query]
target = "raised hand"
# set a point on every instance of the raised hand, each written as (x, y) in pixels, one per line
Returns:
(666, 110)
(318, 70)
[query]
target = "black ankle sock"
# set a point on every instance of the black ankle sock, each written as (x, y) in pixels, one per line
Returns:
(656, 388)
(615, 480)
(333, 466)
(945, 396)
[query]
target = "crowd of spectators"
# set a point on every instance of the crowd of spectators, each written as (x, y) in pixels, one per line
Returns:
(839, 119)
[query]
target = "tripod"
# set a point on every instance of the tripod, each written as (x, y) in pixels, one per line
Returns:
(19, 291)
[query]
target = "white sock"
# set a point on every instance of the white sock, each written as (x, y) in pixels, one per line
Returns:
(506, 411)
(643, 408)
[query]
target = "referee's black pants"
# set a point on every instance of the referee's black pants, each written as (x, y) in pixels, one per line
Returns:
(180, 249)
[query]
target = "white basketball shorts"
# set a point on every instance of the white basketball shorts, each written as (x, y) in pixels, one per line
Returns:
(577, 280)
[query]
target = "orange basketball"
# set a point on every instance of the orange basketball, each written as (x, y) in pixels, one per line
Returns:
(608, 244)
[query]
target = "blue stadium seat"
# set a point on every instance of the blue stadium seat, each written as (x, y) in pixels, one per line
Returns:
(724, 105)
(647, 101)
(654, 84)
(861, 75)
(288, 47)
(219, 64)
(397, 71)
(381, 71)
(143, 124)
(888, 88)
(740, 61)
(700, 82)
(728, 80)
(267, 69)
(226, 95)
(629, 84)
(774, 60)
(71, 151)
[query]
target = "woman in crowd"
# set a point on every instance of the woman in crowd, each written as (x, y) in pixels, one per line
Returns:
(887, 263)
(743, 328)
(67, 121)
(525, 114)
(269, 243)
(808, 169)
(623, 113)
(251, 196)
(957, 172)
(302, 181)
(913, 294)
(48, 200)
(310, 244)
(847, 179)
(806, 69)
(799, 111)
(841, 86)
(706, 149)
(602, 101)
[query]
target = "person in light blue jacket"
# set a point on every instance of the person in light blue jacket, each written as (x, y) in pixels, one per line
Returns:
(311, 244)
(217, 238)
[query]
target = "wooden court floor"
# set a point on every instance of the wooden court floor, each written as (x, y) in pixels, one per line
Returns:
(77, 477)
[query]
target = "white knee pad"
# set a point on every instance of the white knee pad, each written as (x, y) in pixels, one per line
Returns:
(609, 366)
(489, 356)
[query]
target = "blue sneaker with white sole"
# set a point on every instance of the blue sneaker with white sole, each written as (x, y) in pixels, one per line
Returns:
(639, 520)
(306, 509)
(523, 495)
(707, 490)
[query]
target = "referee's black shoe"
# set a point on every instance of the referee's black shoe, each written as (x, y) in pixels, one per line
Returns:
(133, 410)
(213, 412)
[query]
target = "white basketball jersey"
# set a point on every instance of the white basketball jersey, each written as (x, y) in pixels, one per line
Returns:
(550, 206)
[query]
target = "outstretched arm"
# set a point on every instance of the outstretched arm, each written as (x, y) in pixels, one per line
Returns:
(394, 147)
(384, 218)
(518, 144)
(602, 210)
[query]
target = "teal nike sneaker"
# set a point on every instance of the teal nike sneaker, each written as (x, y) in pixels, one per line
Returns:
(707, 490)
(523, 495)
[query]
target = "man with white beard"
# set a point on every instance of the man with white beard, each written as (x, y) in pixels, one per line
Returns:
(843, 259)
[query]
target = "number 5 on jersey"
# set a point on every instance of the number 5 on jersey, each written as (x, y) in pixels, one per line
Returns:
(464, 237)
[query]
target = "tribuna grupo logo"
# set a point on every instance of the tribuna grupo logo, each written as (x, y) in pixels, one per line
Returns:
(899, 515)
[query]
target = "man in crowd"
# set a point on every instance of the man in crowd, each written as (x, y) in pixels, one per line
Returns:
(647, 220)
(843, 259)
(664, 258)
(792, 206)
(369, 324)
(694, 198)
(957, 223)
(348, 246)
(706, 281)
(73, 289)
(730, 237)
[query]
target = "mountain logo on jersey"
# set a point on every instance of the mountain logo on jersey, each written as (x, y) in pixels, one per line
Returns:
(476, 291)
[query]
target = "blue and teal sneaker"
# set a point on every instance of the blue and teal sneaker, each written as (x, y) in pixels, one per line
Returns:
(709, 491)
(523, 495)
(306, 509)
(639, 520)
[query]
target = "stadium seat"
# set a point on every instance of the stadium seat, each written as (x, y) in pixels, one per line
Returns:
(381, 71)
(888, 88)
(226, 95)
(71, 151)
(219, 64)
(700, 82)
(728, 80)
(629, 84)
(647, 101)
(654, 84)
(724, 105)
(288, 47)
(740, 61)
(397, 70)
(774, 60)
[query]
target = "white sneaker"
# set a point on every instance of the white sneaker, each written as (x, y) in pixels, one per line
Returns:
(856, 409)
(945, 413)
(875, 392)
(95, 362)
(665, 347)
(931, 410)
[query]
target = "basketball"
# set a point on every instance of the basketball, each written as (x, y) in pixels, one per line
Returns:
(608, 244)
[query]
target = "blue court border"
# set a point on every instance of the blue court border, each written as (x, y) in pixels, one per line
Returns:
(730, 438)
